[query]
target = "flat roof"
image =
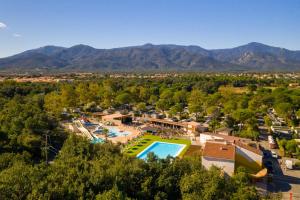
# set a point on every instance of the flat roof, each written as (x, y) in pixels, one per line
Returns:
(228, 138)
(114, 116)
(163, 121)
(219, 151)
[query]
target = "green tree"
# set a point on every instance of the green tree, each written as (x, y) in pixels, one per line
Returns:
(268, 122)
(113, 194)
(180, 97)
(196, 102)
(177, 108)
(162, 105)
(124, 98)
(53, 103)
(68, 96)
(284, 110)
(141, 106)
(252, 87)
(82, 92)
(105, 133)
(153, 99)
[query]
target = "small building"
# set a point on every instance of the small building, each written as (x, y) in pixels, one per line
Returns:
(193, 127)
(213, 137)
(117, 118)
(188, 127)
(98, 115)
(149, 129)
(293, 84)
(224, 131)
(221, 155)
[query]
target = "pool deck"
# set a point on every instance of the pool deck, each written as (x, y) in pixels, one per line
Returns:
(124, 139)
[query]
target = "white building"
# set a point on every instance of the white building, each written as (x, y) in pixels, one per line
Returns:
(245, 153)
(219, 155)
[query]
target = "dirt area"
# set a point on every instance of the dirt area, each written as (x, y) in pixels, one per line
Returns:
(124, 139)
(234, 90)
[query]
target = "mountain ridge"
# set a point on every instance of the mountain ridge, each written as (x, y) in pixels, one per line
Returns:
(164, 57)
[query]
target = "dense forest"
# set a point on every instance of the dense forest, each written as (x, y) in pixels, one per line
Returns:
(30, 114)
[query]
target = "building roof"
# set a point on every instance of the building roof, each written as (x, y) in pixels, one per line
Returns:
(98, 114)
(249, 148)
(115, 116)
(148, 128)
(225, 137)
(224, 129)
(163, 121)
(193, 123)
(219, 151)
(241, 142)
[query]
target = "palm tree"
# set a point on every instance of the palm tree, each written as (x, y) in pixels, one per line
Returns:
(105, 132)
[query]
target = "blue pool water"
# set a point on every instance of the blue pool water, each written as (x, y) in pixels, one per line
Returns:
(114, 132)
(162, 150)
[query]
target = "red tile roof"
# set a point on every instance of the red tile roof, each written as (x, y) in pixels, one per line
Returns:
(219, 150)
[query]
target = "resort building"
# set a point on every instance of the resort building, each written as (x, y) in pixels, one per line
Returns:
(224, 131)
(219, 155)
(117, 119)
(148, 129)
(188, 127)
(192, 127)
(163, 123)
(246, 153)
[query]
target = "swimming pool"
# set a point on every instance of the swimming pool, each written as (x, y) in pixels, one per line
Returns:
(162, 150)
(114, 132)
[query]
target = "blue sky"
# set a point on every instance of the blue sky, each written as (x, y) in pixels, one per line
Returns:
(27, 24)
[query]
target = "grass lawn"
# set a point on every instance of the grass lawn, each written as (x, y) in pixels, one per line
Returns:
(146, 140)
(270, 87)
(194, 150)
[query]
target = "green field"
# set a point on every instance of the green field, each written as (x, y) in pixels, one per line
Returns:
(135, 148)
(231, 89)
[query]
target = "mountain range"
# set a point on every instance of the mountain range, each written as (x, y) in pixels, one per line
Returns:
(250, 57)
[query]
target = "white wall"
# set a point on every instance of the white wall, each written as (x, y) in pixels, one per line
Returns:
(226, 165)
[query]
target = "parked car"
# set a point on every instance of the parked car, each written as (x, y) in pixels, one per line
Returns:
(274, 155)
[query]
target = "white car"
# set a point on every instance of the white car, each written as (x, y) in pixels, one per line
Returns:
(274, 155)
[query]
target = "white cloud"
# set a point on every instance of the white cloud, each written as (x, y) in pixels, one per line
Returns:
(17, 35)
(2, 25)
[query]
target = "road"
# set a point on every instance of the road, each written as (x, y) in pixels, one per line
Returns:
(281, 181)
